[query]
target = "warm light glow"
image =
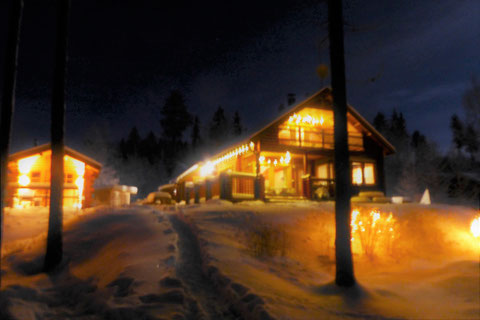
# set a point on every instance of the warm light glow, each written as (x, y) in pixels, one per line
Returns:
(283, 160)
(80, 181)
(369, 174)
(372, 231)
(25, 164)
(79, 167)
(252, 145)
(233, 153)
(207, 169)
(357, 175)
(23, 180)
(475, 227)
(306, 120)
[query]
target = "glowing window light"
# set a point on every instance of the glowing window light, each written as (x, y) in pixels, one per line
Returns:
(357, 175)
(475, 227)
(23, 180)
(287, 158)
(25, 164)
(261, 159)
(252, 145)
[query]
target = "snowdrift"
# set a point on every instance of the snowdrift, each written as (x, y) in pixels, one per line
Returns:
(427, 267)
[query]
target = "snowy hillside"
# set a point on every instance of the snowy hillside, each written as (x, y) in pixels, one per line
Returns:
(248, 260)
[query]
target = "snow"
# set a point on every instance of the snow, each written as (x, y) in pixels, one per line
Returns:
(198, 261)
(118, 265)
(431, 273)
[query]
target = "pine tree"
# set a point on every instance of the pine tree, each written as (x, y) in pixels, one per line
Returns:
(237, 126)
(471, 141)
(132, 144)
(148, 148)
(196, 139)
(219, 127)
(175, 119)
(458, 132)
(380, 123)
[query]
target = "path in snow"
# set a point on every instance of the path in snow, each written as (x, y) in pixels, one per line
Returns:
(189, 270)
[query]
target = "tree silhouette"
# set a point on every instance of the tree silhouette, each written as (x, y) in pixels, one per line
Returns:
(219, 127)
(196, 139)
(237, 126)
(54, 252)
(8, 103)
(380, 123)
(343, 252)
(175, 118)
(458, 132)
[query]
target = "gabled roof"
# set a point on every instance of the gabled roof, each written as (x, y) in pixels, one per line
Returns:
(324, 98)
(44, 147)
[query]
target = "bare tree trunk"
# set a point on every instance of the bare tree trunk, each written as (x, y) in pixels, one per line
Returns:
(54, 253)
(8, 104)
(343, 251)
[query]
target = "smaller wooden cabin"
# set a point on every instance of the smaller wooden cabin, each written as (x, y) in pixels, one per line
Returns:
(290, 158)
(29, 178)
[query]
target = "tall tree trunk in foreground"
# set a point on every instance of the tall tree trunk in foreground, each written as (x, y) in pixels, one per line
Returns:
(54, 253)
(343, 250)
(8, 103)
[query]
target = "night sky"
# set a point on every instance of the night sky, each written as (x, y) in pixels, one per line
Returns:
(125, 56)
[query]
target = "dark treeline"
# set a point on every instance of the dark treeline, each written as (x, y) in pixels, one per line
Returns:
(154, 158)
(417, 164)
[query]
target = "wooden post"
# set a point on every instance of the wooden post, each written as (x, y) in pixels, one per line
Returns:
(8, 103)
(196, 189)
(208, 189)
(226, 186)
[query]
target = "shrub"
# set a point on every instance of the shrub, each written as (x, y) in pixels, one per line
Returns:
(263, 238)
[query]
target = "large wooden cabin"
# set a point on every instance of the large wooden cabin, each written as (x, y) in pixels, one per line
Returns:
(292, 157)
(29, 178)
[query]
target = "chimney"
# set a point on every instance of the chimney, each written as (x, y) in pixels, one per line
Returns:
(290, 99)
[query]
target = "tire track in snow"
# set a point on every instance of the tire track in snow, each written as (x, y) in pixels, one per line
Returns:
(189, 270)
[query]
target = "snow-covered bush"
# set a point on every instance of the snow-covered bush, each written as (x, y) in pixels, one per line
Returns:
(373, 232)
(264, 238)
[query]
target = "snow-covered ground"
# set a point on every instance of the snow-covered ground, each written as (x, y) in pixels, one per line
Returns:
(232, 261)
(118, 264)
(429, 269)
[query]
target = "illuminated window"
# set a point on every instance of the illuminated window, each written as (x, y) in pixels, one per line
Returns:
(357, 176)
(369, 173)
(363, 173)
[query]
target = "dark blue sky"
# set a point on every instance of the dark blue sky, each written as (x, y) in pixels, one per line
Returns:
(415, 56)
